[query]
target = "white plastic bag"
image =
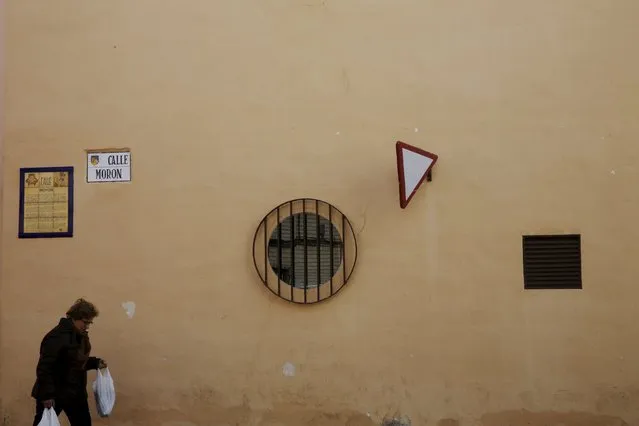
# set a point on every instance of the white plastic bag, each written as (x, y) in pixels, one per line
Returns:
(49, 418)
(104, 393)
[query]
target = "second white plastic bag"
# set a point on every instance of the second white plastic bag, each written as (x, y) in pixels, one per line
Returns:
(49, 418)
(104, 392)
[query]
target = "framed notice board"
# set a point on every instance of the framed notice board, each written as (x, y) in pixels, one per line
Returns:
(46, 202)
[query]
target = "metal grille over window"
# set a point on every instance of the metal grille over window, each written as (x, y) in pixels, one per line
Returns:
(552, 262)
(304, 250)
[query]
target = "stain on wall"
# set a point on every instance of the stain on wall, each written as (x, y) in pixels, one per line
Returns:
(448, 422)
(527, 418)
(129, 308)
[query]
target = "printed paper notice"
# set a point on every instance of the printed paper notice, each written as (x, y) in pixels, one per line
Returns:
(46, 204)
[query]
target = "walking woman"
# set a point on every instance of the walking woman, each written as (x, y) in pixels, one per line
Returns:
(61, 374)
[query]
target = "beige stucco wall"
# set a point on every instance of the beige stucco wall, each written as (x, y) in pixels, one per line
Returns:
(2, 118)
(232, 107)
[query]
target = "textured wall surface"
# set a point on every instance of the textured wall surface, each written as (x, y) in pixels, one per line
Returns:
(2, 119)
(231, 107)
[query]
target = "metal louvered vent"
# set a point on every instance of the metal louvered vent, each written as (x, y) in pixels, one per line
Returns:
(552, 262)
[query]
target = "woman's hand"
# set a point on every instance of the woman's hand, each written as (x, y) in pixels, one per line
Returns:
(102, 364)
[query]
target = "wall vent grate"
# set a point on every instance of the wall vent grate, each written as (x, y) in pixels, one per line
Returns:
(552, 262)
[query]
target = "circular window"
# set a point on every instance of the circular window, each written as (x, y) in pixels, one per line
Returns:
(305, 250)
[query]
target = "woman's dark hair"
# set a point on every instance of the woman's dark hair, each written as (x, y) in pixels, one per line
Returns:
(82, 310)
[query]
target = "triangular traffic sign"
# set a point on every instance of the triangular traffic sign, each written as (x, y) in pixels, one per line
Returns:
(413, 166)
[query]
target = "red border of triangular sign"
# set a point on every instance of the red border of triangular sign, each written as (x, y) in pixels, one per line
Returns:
(403, 199)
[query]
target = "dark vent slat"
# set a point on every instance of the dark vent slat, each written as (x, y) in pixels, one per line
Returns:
(552, 274)
(552, 238)
(553, 242)
(552, 261)
(543, 263)
(551, 266)
(552, 247)
(551, 279)
(542, 250)
(559, 285)
(553, 253)
(552, 256)
(555, 284)
(555, 271)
